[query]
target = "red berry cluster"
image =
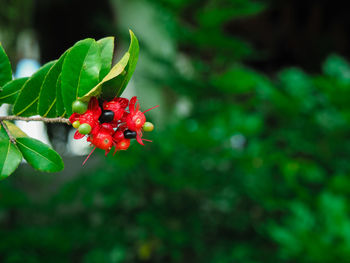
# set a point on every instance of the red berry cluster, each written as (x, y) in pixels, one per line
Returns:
(109, 123)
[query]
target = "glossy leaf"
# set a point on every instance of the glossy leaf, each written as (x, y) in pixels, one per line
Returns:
(116, 87)
(117, 70)
(10, 125)
(59, 100)
(107, 47)
(40, 155)
(114, 83)
(15, 131)
(111, 86)
(134, 55)
(3, 134)
(11, 90)
(27, 100)
(10, 156)
(47, 96)
(80, 71)
(5, 67)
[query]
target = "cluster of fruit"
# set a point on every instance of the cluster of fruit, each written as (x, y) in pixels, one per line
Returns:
(109, 123)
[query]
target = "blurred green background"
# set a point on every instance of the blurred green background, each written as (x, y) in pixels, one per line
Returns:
(250, 159)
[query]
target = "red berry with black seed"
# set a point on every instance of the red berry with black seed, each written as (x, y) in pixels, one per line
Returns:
(117, 106)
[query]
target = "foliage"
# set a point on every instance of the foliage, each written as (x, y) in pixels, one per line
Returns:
(245, 167)
(256, 186)
(81, 72)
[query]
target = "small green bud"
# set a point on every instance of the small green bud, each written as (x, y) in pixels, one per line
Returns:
(76, 124)
(79, 107)
(84, 128)
(148, 126)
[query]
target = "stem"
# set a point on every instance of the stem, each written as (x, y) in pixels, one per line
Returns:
(12, 139)
(48, 120)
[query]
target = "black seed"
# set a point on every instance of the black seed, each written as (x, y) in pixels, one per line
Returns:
(129, 134)
(106, 116)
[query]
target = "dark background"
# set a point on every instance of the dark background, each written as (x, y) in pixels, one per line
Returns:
(250, 160)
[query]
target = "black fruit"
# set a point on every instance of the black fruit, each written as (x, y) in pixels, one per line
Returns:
(106, 116)
(129, 134)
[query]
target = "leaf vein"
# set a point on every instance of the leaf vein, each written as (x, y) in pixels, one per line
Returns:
(37, 153)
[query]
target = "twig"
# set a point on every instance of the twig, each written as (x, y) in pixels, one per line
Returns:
(48, 120)
(12, 139)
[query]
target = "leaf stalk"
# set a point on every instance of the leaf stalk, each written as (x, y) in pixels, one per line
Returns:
(12, 139)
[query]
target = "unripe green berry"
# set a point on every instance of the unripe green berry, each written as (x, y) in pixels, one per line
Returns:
(76, 124)
(84, 128)
(148, 126)
(79, 107)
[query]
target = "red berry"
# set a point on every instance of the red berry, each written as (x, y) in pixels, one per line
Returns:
(135, 121)
(123, 144)
(102, 140)
(107, 128)
(89, 118)
(123, 102)
(117, 106)
(102, 118)
(118, 136)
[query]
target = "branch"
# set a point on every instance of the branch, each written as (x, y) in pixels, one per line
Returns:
(48, 120)
(12, 139)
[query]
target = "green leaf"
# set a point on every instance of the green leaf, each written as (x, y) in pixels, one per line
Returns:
(116, 85)
(3, 134)
(40, 155)
(14, 130)
(47, 96)
(338, 68)
(27, 100)
(107, 47)
(134, 55)
(80, 71)
(296, 82)
(10, 156)
(117, 70)
(110, 88)
(237, 80)
(11, 89)
(59, 103)
(214, 17)
(5, 67)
